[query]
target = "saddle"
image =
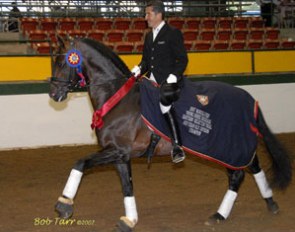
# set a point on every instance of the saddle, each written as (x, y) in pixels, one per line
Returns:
(217, 121)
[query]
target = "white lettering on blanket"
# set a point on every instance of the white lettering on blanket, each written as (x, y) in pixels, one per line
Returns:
(197, 121)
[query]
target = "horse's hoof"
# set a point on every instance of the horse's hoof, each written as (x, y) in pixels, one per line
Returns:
(64, 210)
(214, 219)
(124, 225)
(273, 207)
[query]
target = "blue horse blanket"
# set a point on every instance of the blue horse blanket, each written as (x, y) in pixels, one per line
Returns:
(216, 120)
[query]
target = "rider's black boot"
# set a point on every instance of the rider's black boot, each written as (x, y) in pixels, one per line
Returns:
(177, 153)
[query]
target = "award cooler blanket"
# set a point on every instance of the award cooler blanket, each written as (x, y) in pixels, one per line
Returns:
(216, 121)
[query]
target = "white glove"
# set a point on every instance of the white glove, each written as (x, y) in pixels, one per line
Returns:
(171, 79)
(136, 71)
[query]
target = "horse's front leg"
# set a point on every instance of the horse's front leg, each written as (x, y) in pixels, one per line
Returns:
(64, 205)
(127, 222)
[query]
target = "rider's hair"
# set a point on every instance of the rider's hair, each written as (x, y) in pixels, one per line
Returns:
(158, 7)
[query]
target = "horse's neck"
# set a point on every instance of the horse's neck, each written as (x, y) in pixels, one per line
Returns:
(104, 82)
(100, 93)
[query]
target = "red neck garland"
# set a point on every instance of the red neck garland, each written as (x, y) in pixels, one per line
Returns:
(97, 121)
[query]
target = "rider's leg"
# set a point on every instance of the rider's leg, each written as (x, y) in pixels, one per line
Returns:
(169, 94)
(149, 152)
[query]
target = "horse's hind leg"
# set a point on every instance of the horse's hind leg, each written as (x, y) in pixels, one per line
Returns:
(263, 185)
(64, 205)
(235, 178)
(130, 219)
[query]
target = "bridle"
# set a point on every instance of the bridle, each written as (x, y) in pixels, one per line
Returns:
(71, 83)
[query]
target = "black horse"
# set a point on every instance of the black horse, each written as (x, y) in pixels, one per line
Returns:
(124, 133)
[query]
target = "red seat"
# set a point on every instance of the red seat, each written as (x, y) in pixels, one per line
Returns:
(37, 35)
(223, 34)
(256, 22)
(287, 44)
(138, 47)
(52, 36)
(190, 34)
(237, 44)
(207, 34)
(189, 45)
(271, 44)
(177, 22)
(224, 22)
(193, 23)
(202, 45)
(114, 36)
(240, 34)
(96, 34)
(85, 24)
(208, 22)
(104, 24)
(139, 23)
(254, 44)
(29, 24)
(61, 33)
(124, 47)
(240, 22)
(43, 48)
(256, 33)
(220, 45)
(271, 33)
(77, 33)
(66, 24)
(122, 23)
(48, 24)
(109, 45)
(134, 35)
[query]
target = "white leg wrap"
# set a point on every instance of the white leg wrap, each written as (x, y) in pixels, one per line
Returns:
(227, 203)
(130, 209)
(72, 184)
(262, 184)
(164, 109)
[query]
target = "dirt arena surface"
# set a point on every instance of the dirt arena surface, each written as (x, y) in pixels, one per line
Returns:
(169, 197)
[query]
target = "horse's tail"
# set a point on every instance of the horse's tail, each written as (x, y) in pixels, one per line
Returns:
(281, 162)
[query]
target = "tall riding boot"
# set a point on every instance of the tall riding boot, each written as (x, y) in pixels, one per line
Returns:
(177, 152)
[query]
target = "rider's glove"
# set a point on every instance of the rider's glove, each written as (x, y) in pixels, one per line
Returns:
(136, 71)
(171, 79)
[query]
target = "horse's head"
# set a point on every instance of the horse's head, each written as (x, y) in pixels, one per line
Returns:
(83, 60)
(65, 78)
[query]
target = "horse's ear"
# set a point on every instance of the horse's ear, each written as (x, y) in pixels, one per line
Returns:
(60, 42)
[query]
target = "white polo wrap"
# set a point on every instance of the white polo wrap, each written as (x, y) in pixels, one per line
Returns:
(72, 184)
(227, 203)
(262, 184)
(130, 209)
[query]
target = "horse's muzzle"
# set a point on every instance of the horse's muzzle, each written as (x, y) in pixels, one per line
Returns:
(58, 89)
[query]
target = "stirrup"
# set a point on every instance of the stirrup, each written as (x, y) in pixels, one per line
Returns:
(177, 154)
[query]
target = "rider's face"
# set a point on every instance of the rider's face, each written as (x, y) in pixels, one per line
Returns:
(153, 19)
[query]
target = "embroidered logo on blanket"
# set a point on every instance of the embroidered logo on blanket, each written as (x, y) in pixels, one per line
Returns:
(204, 100)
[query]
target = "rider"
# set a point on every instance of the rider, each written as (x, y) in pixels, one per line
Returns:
(164, 59)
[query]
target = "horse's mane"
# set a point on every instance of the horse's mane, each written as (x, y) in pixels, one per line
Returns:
(109, 54)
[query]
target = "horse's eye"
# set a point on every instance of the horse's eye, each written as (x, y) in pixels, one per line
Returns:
(59, 64)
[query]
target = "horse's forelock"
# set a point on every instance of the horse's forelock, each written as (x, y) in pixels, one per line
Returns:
(109, 54)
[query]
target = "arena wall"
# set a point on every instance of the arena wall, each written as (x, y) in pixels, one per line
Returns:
(34, 120)
(200, 63)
